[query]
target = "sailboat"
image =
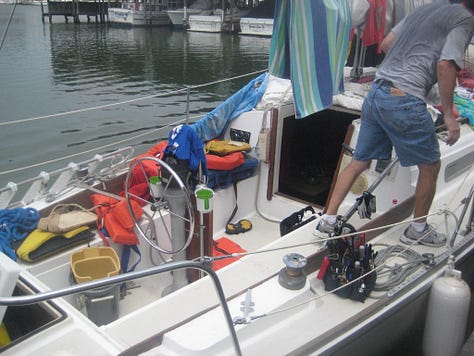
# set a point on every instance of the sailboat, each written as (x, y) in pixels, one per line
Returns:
(197, 259)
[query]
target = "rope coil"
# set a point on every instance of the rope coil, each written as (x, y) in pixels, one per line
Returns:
(15, 225)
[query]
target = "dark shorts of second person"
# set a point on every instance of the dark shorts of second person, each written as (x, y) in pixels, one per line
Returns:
(391, 117)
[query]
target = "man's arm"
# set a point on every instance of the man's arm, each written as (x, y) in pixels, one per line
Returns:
(387, 41)
(447, 72)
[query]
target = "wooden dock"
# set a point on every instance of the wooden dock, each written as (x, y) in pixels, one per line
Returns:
(74, 9)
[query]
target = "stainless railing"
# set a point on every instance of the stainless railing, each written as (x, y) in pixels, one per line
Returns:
(82, 287)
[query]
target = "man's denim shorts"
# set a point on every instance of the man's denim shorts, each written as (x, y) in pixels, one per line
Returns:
(393, 117)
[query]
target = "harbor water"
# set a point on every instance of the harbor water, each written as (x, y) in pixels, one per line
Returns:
(136, 77)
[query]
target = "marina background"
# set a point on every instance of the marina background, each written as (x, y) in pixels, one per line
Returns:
(47, 69)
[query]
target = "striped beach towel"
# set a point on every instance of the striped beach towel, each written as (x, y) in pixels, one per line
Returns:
(309, 46)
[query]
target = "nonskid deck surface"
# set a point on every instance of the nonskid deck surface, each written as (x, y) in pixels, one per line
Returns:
(262, 233)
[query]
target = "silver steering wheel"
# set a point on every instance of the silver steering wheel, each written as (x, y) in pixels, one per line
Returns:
(161, 206)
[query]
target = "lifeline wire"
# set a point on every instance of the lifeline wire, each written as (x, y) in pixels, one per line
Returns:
(128, 101)
(7, 26)
(393, 254)
(242, 254)
(117, 142)
(91, 150)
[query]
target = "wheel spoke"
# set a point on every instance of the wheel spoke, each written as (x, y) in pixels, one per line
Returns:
(161, 206)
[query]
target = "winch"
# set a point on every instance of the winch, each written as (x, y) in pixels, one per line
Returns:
(293, 275)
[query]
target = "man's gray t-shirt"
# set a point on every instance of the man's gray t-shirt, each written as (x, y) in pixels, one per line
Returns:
(429, 34)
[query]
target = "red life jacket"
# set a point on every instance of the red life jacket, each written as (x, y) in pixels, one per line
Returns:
(150, 167)
(225, 163)
(114, 216)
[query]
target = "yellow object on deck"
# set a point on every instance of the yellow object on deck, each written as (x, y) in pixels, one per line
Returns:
(94, 263)
(4, 337)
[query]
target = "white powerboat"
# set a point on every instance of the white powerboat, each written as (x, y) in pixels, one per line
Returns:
(180, 17)
(137, 13)
(256, 26)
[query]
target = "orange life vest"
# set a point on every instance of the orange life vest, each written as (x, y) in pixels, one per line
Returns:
(225, 163)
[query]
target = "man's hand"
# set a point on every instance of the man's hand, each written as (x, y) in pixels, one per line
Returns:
(447, 72)
(454, 131)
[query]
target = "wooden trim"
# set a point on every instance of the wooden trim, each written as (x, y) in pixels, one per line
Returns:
(271, 153)
(193, 250)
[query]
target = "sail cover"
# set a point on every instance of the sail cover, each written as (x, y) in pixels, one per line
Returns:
(309, 46)
(218, 120)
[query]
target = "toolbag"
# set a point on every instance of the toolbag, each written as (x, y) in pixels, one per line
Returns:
(349, 260)
(224, 178)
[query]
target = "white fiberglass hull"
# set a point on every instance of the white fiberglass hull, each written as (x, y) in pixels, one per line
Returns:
(179, 17)
(256, 26)
(130, 17)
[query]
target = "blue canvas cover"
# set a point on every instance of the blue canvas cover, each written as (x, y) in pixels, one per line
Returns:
(217, 121)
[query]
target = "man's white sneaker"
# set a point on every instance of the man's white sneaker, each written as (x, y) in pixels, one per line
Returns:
(428, 237)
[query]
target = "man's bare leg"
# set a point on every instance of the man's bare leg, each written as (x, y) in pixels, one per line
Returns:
(344, 183)
(425, 189)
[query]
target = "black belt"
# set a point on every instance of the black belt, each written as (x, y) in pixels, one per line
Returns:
(385, 82)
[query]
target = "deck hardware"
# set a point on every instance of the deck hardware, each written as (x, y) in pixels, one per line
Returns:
(246, 309)
(62, 181)
(293, 275)
(429, 259)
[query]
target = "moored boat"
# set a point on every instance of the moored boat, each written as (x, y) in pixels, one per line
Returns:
(180, 17)
(137, 13)
(256, 26)
(218, 21)
(150, 311)
(259, 21)
(223, 19)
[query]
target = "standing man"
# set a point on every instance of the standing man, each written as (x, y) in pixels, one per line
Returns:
(426, 47)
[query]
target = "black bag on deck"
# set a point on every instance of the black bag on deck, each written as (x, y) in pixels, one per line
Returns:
(345, 263)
